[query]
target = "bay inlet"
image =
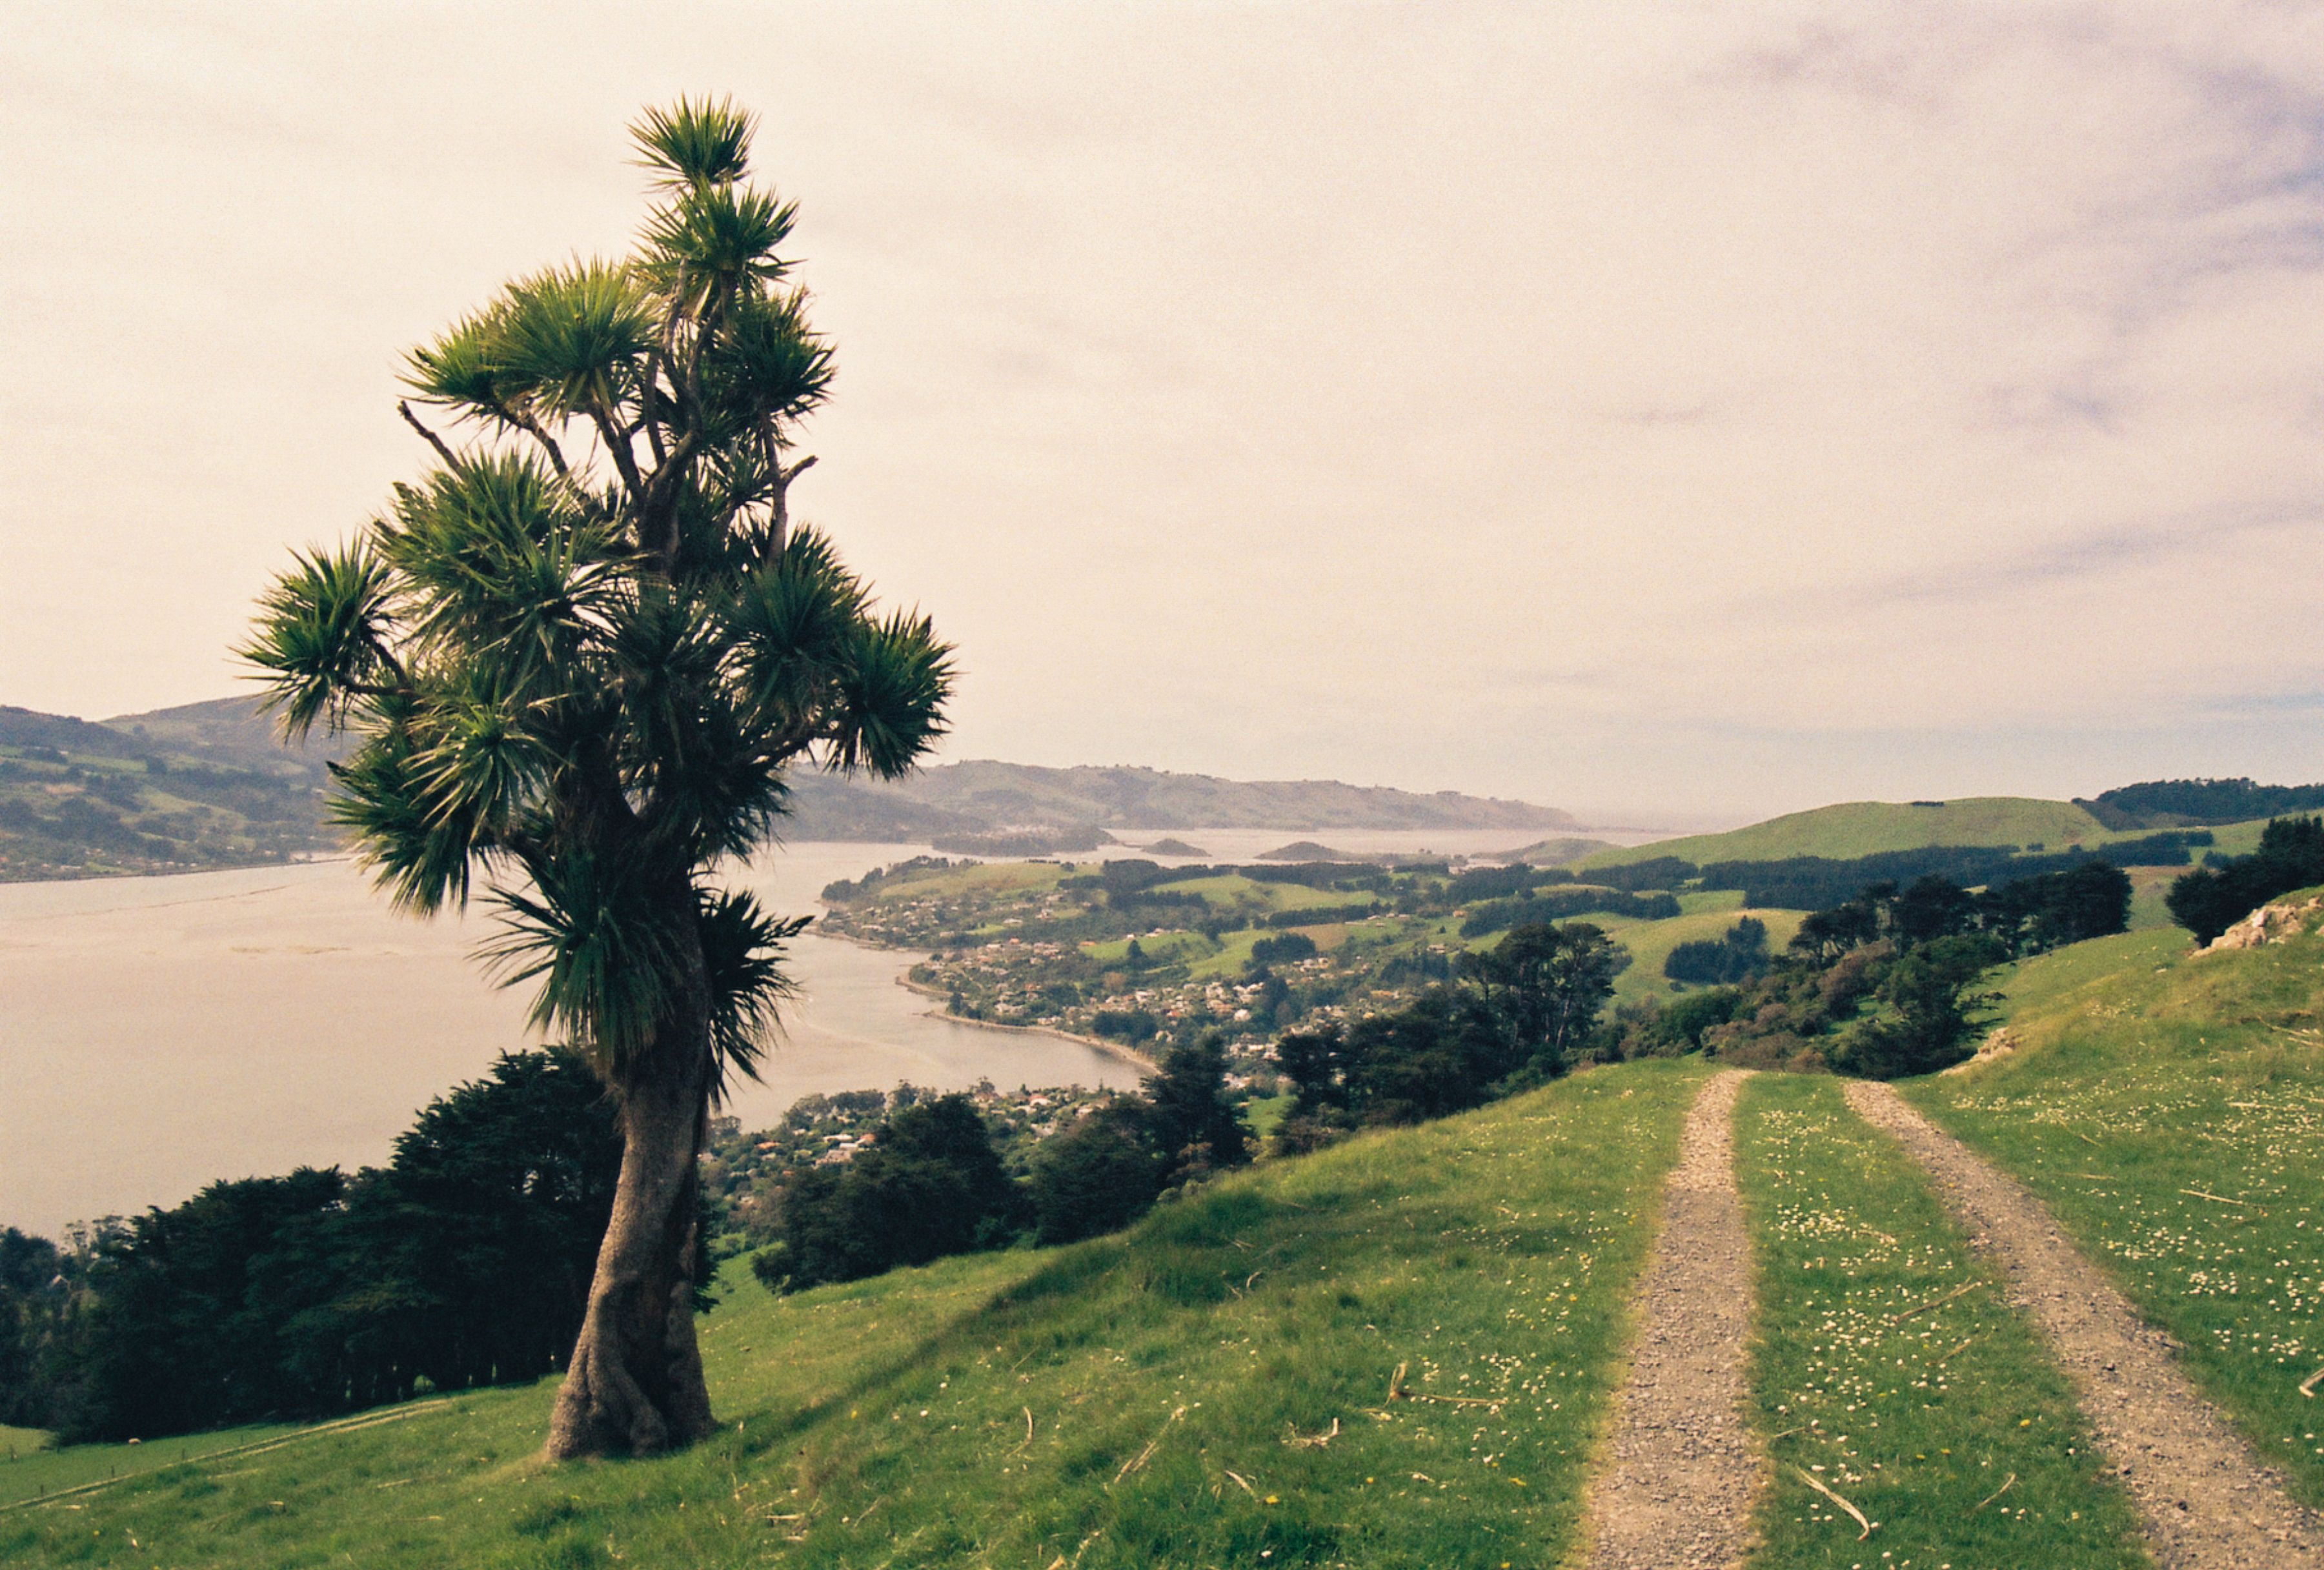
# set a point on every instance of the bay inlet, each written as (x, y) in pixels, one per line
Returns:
(157, 1034)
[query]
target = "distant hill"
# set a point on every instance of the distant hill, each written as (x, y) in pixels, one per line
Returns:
(1861, 828)
(1561, 850)
(1012, 797)
(1307, 850)
(230, 733)
(170, 791)
(240, 796)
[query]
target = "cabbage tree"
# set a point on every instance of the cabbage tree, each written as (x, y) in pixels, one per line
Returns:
(582, 654)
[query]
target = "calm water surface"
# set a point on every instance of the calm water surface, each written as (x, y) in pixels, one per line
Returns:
(159, 1033)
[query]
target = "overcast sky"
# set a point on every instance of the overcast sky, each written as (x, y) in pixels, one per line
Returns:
(1668, 412)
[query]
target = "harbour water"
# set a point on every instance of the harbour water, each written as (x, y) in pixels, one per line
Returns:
(159, 1033)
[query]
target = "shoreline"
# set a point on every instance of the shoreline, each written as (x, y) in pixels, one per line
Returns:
(1130, 1054)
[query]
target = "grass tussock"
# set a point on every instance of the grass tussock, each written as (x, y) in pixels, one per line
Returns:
(1210, 1388)
(1889, 1368)
(2169, 1109)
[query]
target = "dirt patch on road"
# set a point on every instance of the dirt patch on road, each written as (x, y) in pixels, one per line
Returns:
(1676, 1490)
(2207, 1499)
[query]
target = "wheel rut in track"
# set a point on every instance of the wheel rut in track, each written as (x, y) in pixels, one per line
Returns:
(2208, 1502)
(1676, 1492)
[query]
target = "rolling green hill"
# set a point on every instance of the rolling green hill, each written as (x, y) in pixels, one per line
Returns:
(1862, 829)
(2167, 1106)
(1212, 1387)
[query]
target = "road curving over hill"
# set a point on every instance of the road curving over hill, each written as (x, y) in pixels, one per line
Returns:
(2208, 1501)
(1676, 1493)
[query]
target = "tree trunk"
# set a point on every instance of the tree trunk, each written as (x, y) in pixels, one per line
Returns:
(634, 1385)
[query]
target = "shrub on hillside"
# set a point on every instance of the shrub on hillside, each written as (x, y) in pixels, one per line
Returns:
(1725, 961)
(2209, 900)
(930, 1185)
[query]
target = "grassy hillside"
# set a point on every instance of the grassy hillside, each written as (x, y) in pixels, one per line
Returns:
(1211, 1387)
(1861, 828)
(2169, 1108)
(1708, 917)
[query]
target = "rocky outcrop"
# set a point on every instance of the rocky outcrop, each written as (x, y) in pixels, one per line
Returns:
(2268, 924)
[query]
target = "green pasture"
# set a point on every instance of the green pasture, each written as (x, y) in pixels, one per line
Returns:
(1215, 1387)
(1650, 942)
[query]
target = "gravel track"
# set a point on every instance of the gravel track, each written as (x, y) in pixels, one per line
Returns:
(2208, 1502)
(1676, 1490)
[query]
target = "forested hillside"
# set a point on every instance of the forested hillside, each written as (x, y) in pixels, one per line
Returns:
(171, 792)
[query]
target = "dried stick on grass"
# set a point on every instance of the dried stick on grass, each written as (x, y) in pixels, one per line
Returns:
(2220, 1198)
(1137, 1461)
(1809, 1479)
(1948, 1357)
(1960, 1291)
(2308, 1386)
(1397, 1393)
(1298, 1441)
(1242, 1483)
(2006, 1483)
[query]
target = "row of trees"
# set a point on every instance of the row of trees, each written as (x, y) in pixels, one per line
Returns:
(466, 1261)
(931, 1184)
(1819, 882)
(2159, 803)
(2027, 916)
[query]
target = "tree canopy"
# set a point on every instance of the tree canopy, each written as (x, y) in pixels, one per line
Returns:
(583, 651)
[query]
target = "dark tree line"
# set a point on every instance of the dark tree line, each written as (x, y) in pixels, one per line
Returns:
(2168, 803)
(1820, 882)
(2027, 916)
(2213, 897)
(932, 1184)
(1529, 907)
(464, 1262)
(1518, 1016)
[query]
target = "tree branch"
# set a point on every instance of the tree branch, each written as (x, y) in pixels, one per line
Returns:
(432, 440)
(625, 462)
(781, 488)
(533, 429)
